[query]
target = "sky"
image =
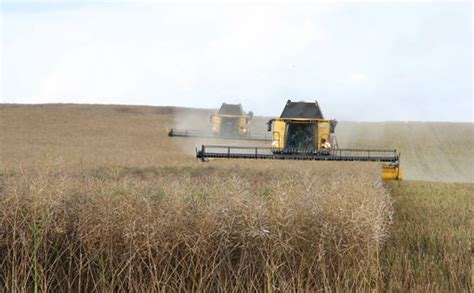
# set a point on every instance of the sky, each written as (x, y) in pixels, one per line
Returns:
(362, 61)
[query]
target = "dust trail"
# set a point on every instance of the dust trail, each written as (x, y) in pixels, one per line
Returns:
(191, 119)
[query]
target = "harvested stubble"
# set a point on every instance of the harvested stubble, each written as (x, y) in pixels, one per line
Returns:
(226, 227)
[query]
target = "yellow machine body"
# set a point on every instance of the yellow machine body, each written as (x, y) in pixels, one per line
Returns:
(281, 132)
(322, 133)
(227, 123)
(391, 172)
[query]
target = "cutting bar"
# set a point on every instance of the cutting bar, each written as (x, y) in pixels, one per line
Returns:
(250, 152)
(205, 134)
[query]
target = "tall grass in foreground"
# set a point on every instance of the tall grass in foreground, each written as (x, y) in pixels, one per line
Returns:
(306, 227)
(430, 245)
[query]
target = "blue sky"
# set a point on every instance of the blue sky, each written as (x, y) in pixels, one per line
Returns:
(361, 61)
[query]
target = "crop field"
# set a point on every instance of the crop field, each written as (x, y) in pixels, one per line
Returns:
(98, 198)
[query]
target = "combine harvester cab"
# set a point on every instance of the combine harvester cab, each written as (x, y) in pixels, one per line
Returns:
(301, 129)
(302, 133)
(229, 122)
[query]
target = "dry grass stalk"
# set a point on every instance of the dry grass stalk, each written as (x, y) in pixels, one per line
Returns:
(203, 229)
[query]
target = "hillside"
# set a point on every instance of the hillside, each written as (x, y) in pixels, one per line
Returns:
(136, 135)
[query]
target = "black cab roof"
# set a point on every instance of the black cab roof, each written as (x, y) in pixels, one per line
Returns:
(231, 109)
(302, 110)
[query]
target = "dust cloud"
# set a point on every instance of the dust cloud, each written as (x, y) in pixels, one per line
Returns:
(430, 151)
(191, 120)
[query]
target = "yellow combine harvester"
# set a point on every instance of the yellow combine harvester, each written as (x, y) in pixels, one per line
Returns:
(302, 133)
(230, 122)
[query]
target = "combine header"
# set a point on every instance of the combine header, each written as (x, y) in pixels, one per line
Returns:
(302, 133)
(230, 122)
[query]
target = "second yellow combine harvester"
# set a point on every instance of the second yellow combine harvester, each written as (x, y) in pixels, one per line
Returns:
(229, 122)
(302, 133)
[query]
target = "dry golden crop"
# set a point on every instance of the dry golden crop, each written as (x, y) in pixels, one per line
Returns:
(180, 228)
